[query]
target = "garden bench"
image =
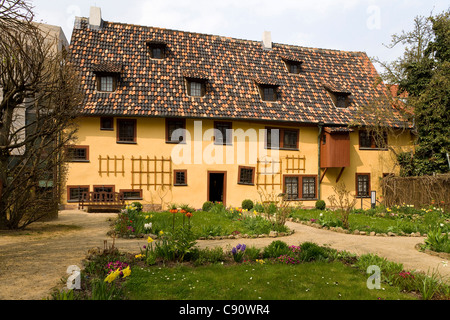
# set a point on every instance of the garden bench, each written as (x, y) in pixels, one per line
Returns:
(101, 200)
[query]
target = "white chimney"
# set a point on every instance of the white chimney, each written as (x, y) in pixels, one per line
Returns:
(95, 17)
(267, 40)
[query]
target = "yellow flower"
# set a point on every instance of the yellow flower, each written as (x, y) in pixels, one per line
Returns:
(126, 272)
(112, 276)
(146, 217)
(161, 233)
(150, 240)
(138, 256)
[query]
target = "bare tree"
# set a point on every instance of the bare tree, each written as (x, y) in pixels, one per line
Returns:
(39, 99)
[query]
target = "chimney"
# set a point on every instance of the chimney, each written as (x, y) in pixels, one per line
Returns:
(95, 18)
(267, 40)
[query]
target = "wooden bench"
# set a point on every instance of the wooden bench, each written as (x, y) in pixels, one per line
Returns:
(101, 201)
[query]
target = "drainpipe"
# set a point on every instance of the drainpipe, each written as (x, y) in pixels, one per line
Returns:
(318, 159)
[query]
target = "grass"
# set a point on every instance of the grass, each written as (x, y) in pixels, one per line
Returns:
(379, 221)
(204, 224)
(307, 281)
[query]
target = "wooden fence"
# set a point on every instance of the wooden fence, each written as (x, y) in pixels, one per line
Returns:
(418, 191)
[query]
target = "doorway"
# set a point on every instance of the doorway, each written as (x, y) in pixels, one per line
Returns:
(217, 186)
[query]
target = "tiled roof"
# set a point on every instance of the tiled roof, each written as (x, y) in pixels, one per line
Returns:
(233, 69)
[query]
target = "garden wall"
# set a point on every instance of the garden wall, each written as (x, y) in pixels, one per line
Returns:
(419, 191)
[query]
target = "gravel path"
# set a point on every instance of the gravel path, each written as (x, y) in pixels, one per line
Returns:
(34, 261)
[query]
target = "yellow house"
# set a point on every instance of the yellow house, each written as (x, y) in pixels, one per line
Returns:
(185, 118)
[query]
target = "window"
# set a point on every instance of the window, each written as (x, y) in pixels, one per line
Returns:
(171, 126)
(103, 193)
(76, 193)
(126, 130)
(131, 194)
(309, 187)
(291, 188)
(372, 140)
(287, 138)
(222, 133)
(300, 187)
(78, 153)
(106, 82)
(246, 175)
(341, 101)
(290, 139)
(363, 185)
(157, 50)
(196, 87)
(293, 66)
(180, 177)
(106, 123)
(269, 92)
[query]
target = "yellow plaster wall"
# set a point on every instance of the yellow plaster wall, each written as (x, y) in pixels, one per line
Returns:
(151, 142)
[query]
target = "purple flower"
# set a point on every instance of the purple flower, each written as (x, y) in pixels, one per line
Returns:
(238, 246)
(243, 247)
(233, 251)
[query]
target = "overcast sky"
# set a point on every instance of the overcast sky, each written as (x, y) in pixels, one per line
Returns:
(352, 25)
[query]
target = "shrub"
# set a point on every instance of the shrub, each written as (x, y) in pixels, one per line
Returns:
(276, 249)
(247, 204)
(138, 206)
(207, 206)
(253, 253)
(312, 252)
(320, 205)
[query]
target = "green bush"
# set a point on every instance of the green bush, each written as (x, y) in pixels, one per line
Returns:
(320, 205)
(207, 206)
(313, 252)
(138, 206)
(247, 204)
(276, 249)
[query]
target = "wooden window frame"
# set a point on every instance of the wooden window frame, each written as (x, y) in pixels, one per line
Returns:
(103, 128)
(290, 63)
(69, 200)
(202, 82)
(161, 46)
(300, 177)
(252, 183)
(134, 121)
(175, 178)
(122, 192)
(275, 97)
(358, 174)
(113, 187)
(281, 138)
(78, 147)
(228, 137)
(168, 137)
(100, 75)
(373, 145)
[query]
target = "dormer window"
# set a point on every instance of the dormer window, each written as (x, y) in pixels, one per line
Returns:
(106, 82)
(196, 87)
(107, 76)
(268, 92)
(293, 66)
(157, 50)
(341, 101)
(340, 96)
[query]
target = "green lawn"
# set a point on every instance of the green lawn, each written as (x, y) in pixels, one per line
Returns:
(306, 281)
(204, 224)
(379, 221)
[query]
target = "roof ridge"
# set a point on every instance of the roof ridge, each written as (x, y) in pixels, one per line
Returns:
(230, 38)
